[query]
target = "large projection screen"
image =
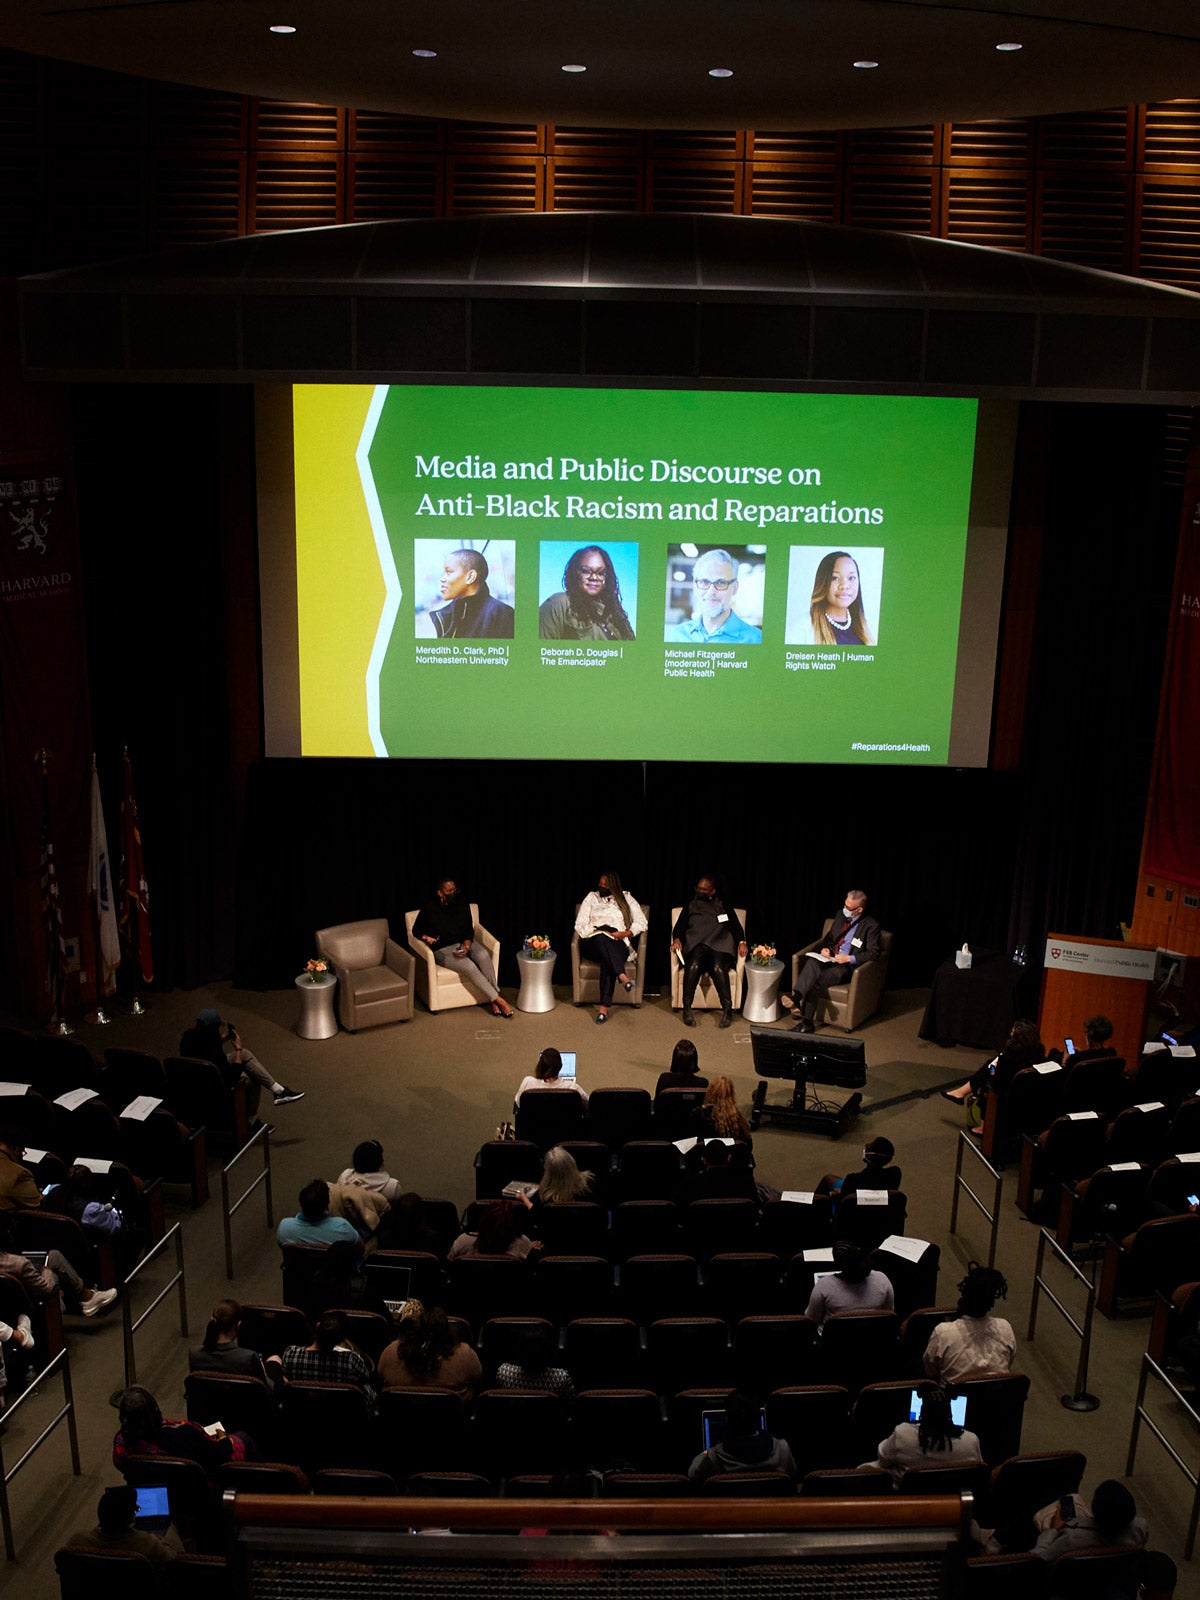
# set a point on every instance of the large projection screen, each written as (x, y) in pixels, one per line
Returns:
(590, 574)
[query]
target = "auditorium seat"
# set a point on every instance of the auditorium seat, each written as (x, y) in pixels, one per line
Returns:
(241, 1403)
(1106, 1202)
(504, 1161)
(501, 1338)
(711, 1227)
(619, 1427)
(573, 1228)
(550, 1116)
(749, 1486)
(128, 1074)
(1138, 1133)
(82, 1573)
(1162, 1254)
(263, 1477)
(659, 1285)
(589, 1155)
(996, 1412)
(567, 1287)
(859, 1347)
(839, 1483)
(61, 1063)
(741, 1283)
(199, 1096)
(450, 1486)
(673, 1111)
(650, 1169)
(376, 976)
(646, 1486)
(706, 994)
(866, 1224)
(688, 1353)
(615, 1116)
(479, 1287)
(519, 1431)
(270, 1329)
(1033, 1100)
(915, 1332)
(1022, 1485)
(788, 1227)
(877, 1409)
(1002, 1577)
(646, 1227)
(421, 1428)
(603, 1352)
(326, 1425)
(773, 1352)
(963, 1477)
(365, 1481)
(813, 1419)
(849, 1005)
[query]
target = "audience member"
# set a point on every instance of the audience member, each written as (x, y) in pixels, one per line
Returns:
(211, 1038)
(314, 1223)
(426, 1351)
(1023, 1048)
(876, 1171)
(366, 1168)
(715, 1171)
(561, 1182)
(498, 1234)
(1097, 1031)
(1111, 1520)
(115, 1534)
(746, 1446)
(720, 1116)
(546, 1075)
(975, 1343)
(18, 1338)
(684, 1071)
(17, 1187)
(851, 1286)
(57, 1273)
(220, 1351)
(330, 1358)
(534, 1366)
(405, 1227)
(934, 1441)
(143, 1431)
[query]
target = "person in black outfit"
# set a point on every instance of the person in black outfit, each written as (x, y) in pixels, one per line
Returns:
(717, 1171)
(1023, 1048)
(472, 612)
(709, 936)
(444, 924)
(684, 1071)
(877, 1171)
(854, 940)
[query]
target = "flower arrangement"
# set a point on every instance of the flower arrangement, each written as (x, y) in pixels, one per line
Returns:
(316, 969)
(537, 945)
(762, 955)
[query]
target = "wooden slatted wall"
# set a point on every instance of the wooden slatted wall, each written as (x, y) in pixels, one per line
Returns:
(95, 165)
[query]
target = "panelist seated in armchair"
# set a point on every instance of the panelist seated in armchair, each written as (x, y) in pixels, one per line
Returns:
(854, 940)
(444, 924)
(608, 923)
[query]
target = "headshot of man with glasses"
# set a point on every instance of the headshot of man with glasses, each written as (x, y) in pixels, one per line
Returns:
(713, 619)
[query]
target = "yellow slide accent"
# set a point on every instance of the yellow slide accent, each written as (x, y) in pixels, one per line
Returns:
(339, 589)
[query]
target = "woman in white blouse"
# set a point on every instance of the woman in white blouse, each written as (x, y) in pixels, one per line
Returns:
(547, 1075)
(608, 922)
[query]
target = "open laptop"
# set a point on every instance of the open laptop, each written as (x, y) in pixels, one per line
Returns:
(153, 1508)
(393, 1284)
(712, 1427)
(568, 1064)
(958, 1409)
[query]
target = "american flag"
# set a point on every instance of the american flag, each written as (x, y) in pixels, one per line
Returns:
(133, 920)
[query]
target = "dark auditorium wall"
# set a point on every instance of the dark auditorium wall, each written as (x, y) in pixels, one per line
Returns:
(247, 857)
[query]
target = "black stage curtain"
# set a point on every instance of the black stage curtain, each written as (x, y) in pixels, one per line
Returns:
(995, 858)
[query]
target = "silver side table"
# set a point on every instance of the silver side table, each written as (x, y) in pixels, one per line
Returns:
(316, 1020)
(537, 981)
(761, 1000)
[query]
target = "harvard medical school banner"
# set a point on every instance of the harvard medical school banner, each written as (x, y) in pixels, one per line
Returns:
(655, 574)
(1173, 825)
(43, 702)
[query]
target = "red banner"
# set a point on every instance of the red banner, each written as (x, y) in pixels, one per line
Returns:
(1173, 824)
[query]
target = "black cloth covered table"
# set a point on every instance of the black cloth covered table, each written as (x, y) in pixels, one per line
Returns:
(976, 1006)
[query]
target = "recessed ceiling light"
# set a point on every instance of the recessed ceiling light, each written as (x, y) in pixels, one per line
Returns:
(720, 72)
(1011, 45)
(282, 27)
(574, 66)
(425, 55)
(865, 64)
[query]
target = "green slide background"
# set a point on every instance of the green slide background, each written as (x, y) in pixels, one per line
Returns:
(910, 456)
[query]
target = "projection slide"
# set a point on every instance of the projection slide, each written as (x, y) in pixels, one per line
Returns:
(629, 574)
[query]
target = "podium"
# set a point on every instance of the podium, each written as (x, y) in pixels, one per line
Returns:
(1088, 977)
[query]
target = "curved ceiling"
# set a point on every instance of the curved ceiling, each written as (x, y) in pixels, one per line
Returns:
(647, 61)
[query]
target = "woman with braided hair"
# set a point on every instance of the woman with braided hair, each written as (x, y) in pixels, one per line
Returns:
(934, 1440)
(975, 1343)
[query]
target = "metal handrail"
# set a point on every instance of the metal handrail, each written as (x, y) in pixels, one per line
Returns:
(262, 1138)
(1150, 1368)
(1080, 1400)
(993, 1216)
(178, 1280)
(58, 1363)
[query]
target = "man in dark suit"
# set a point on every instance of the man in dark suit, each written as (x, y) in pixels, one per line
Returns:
(853, 941)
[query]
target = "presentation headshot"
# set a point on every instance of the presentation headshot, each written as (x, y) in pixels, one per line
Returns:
(587, 591)
(833, 595)
(715, 593)
(464, 590)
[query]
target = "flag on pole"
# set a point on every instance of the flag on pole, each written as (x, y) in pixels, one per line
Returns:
(100, 886)
(133, 921)
(56, 949)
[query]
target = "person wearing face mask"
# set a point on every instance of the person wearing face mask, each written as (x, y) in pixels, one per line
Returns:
(608, 922)
(444, 924)
(709, 936)
(853, 940)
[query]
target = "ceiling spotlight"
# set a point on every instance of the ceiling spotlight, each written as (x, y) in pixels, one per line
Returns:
(425, 55)
(574, 66)
(720, 72)
(865, 64)
(1011, 45)
(282, 27)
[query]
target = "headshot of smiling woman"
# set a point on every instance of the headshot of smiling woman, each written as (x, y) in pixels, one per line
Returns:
(589, 605)
(837, 602)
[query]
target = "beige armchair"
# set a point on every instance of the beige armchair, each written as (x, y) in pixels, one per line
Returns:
(440, 988)
(374, 973)
(706, 995)
(848, 1005)
(585, 973)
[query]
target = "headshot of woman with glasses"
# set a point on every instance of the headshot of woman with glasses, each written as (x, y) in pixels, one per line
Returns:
(589, 605)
